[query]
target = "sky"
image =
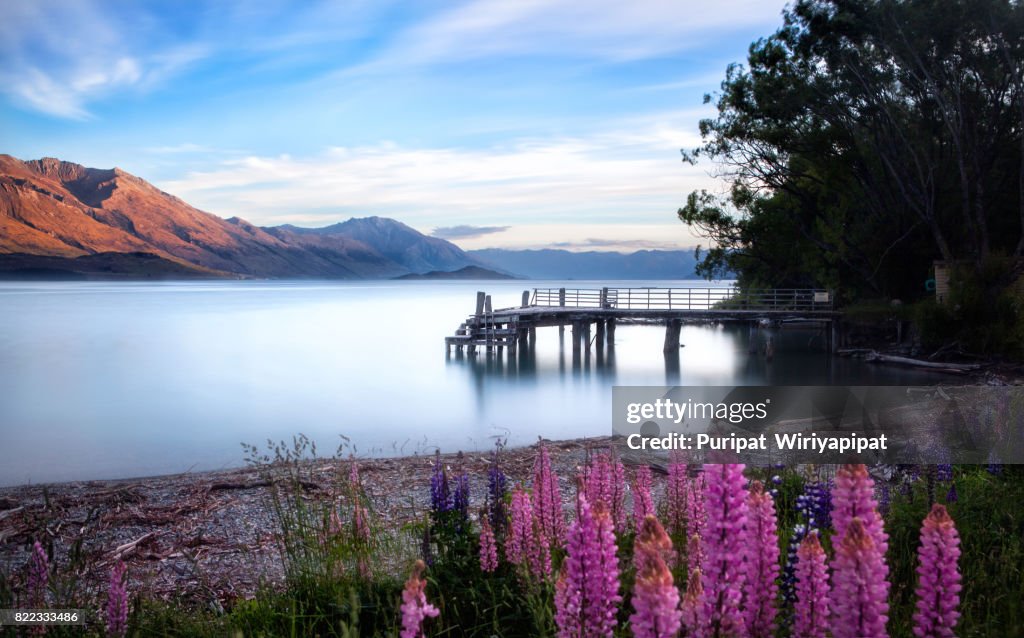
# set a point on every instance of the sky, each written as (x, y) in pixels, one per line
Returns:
(515, 124)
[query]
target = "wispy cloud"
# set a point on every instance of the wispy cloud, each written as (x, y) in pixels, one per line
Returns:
(617, 175)
(58, 56)
(466, 231)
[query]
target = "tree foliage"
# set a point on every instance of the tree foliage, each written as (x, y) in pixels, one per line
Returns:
(865, 139)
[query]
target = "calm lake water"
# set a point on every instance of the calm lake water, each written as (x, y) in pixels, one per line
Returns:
(115, 380)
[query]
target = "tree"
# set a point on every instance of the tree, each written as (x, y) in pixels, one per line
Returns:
(865, 139)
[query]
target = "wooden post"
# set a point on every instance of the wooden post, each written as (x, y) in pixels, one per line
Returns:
(604, 298)
(586, 336)
(533, 335)
(561, 297)
(526, 299)
(752, 338)
(672, 328)
(577, 337)
(487, 304)
(600, 335)
(480, 302)
(610, 333)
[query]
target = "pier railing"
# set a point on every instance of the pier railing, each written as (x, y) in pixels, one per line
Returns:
(721, 298)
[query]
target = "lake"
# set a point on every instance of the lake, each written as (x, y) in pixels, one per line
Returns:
(117, 380)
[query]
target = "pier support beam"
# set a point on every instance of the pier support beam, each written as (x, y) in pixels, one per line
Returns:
(577, 337)
(610, 333)
(480, 295)
(600, 336)
(586, 336)
(672, 328)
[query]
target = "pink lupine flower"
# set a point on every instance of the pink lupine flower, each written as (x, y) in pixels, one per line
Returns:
(812, 590)
(694, 556)
(643, 504)
(723, 547)
(38, 575)
(853, 495)
(696, 515)
(117, 601)
(520, 531)
(655, 597)
(762, 563)
(606, 483)
(538, 554)
(488, 546)
(547, 498)
(938, 587)
(675, 496)
(587, 591)
(859, 586)
(692, 603)
(415, 608)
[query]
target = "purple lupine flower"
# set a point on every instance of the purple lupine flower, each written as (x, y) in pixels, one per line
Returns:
(643, 504)
(440, 492)
(938, 588)
(696, 515)
(762, 563)
(547, 507)
(415, 608)
(860, 585)
(587, 591)
(951, 495)
(814, 509)
(488, 546)
(944, 472)
(692, 603)
(38, 575)
(655, 597)
(675, 495)
(497, 487)
(995, 465)
(460, 496)
(117, 601)
(812, 590)
(723, 546)
(520, 532)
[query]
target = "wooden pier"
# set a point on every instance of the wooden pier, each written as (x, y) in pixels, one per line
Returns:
(592, 314)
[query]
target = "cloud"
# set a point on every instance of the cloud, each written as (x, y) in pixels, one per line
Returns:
(465, 231)
(56, 57)
(628, 174)
(596, 243)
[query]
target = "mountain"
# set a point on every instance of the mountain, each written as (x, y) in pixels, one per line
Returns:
(563, 264)
(469, 272)
(63, 210)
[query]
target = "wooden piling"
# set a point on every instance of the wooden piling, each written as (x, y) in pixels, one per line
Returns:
(526, 299)
(672, 328)
(610, 333)
(577, 337)
(561, 297)
(480, 302)
(586, 336)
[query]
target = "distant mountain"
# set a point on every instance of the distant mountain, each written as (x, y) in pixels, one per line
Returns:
(563, 264)
(59, 209)
(469, 272)
(98, 266)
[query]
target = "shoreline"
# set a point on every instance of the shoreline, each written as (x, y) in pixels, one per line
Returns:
(208, 537)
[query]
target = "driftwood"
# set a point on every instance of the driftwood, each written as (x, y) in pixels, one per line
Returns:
(309, 486)
(957, 368)
(4, 514)
(123, 550)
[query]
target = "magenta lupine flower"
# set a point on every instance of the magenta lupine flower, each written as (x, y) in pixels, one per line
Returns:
(488, 546)
(547, 498)
(762, 563)
(587, 591)
(415, 608)
(117, 601)
(520, 531)
(859, 586)
(853, 495)
(675, 495)
(938, 587)
(723, 548)
(643, 503)
(692, 603)
(606, 483)
(655, 597)
(696, 515)
(812, 590)
(538, 554)
(38, 576)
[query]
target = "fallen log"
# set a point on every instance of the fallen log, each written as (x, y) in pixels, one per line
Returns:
(127, 548)
(918, 363)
